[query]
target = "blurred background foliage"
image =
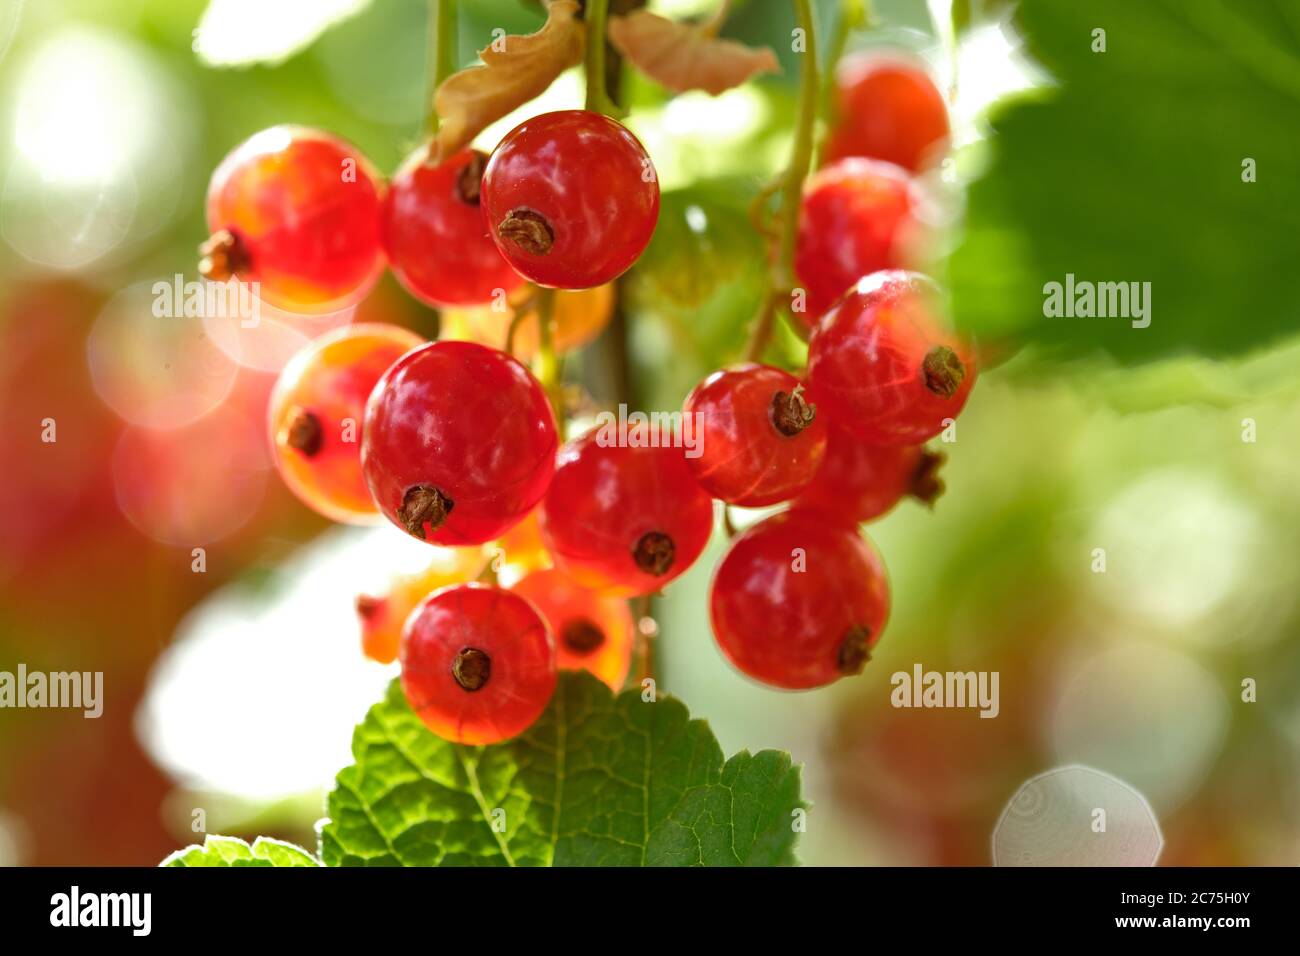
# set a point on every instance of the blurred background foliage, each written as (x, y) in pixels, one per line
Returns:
(231, 691)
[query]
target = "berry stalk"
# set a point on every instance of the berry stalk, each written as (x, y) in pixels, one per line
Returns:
(801, 158)
(598, 101)
(713, 25)
(791, 184)
(441, 51)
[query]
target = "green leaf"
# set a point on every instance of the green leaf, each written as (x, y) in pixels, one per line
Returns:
(228, 851)
(598, 780)
(1131, 170)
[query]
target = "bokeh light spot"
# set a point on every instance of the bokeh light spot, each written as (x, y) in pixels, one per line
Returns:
(1076, 816)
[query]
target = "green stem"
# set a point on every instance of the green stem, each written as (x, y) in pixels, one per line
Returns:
(713, 25)
(523, 311)
(791, 185)
(801, 158)
(598, 101)
(441, 51)
(952, 40)
(761, 332)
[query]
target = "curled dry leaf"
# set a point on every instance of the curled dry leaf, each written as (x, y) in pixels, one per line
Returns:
(515, 69)
(684, 56)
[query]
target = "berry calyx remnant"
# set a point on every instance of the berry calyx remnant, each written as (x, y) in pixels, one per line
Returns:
(423, 505)
(471, 668)
(527, 229)
(303, 432)
(790, 413)
(654, 553)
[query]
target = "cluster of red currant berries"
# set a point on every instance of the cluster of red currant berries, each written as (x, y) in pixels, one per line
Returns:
(456, 442)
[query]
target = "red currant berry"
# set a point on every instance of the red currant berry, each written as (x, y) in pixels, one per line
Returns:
(571, 198)
(890, 109)
(435, 234)
(858, 216)
(624, 519)
(593, 631)
(798, 602)
(296, 211)
(478, 664)
(883, 366)
(316, 414)
(859, 482)
(760, 440)
(459, 443)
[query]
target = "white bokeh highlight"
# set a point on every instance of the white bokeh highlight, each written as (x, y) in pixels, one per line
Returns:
(1050, 821)
(258, 695)
(101, 136)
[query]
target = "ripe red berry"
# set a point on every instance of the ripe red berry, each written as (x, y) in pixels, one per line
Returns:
(459, 443)
(622, 519)
(592, 631)
(296, 211)
(889, 109)
(316, 413)
(478, 664)
(571, 198)
(797, 602)
(858, 216)
(760, 439)
(436, 236)
(883, 365)
(859, 481)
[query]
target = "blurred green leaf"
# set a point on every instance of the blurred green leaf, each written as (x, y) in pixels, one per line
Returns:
(702, 241)
(1131, 170)
(598, 780)
(696, 287)
(228, 851)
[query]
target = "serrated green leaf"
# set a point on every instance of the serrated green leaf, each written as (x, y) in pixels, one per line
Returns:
(598, 780)
(229, 851)
(1131, 170)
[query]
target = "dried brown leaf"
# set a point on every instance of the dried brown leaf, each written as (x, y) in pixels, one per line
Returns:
(515, 69)
(684, 56)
